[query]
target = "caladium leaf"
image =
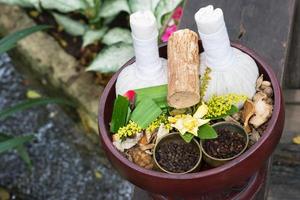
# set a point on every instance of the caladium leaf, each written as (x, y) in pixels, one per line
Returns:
(70, 26)
(154, 4)
(164, 7)
(138, 5)
(23, 3)
(112, 58)
(113, 7)
(91, 36)
(63, 5)
(116, 35)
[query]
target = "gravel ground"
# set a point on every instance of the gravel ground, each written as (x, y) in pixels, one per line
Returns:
(66, 165)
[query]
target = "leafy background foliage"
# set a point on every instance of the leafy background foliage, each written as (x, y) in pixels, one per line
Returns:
(99, 14)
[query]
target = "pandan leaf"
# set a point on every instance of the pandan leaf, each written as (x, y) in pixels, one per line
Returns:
(145, 112)
(64, 6)
(116, 35)
(139, 5)
(187, 137)
(164, 7)
(156, 93)
(11, 143)
(31, 103)
(90, 36)
(113, 7)
(232, 111)
(112, 58)
(207, 132)
(128, 115)
(70, 26)
(10, 41)
(119, 115)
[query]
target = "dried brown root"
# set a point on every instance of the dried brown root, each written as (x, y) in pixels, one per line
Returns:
(140, 158)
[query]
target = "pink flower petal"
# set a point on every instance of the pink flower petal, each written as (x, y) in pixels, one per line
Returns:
(177, 13)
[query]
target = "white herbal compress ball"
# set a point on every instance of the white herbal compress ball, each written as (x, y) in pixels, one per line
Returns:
(148, 69)
(232, 71)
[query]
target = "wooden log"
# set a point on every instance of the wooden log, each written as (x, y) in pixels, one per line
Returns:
(183, 69)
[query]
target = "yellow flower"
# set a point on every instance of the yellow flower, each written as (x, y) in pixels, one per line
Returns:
(188, 123)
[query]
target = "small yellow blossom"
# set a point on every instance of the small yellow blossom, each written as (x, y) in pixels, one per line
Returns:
(129, 130)
(187, 123)
(162, 119)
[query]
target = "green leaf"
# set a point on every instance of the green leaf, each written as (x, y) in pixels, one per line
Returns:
(232, 111)
(113, 7)
(70, 26)
(21, 150)
(145, 112)
(154, 4)
(139, 5)
(116, 35)
(64, 6)
(112, 58)
(164, 7)
(119, 115)
(187, 137)
(31, 103)
(156, 93)
(90, 36)
(128, 115)
(10, 41)
(207, 132)
(12, 143)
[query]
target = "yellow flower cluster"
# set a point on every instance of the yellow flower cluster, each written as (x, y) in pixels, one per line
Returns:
(162, 119)
(204, 82)
(129, 130)
(220, 105)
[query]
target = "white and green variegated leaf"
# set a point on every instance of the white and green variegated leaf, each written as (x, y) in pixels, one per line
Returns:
(90, 3)
(90, 36)
(64, 5)
(138, 5)
(112, 58)
(71, 26)
(116, 35)
(164, 7)
(23, 3)
(154, 4)
(113, 7)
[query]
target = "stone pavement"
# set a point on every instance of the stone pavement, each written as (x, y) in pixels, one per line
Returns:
(66, 165)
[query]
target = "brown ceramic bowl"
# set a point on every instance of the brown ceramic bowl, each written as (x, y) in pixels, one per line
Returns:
(213, 180)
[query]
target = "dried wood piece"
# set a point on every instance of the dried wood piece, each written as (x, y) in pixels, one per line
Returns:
(183, 69)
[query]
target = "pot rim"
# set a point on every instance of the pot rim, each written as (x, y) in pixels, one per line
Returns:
(104, 135)
(169, 172)
(233, 157)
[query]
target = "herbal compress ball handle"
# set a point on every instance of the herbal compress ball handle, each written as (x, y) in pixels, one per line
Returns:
(183, 69)
(148, 69)
(232, 71)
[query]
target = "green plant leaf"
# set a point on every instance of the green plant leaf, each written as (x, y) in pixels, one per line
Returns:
(21, 150)
(31, 103)
(90, 36)
(157, 93)
(12, 143)
(154, 4)
(164, 7)
(113, 7)
(23, 3)
(145, 112)
(111, 58)
(232, 111)
(64, 6)
(119, 115)
(139, 5)
(70, 26)
(10, 41)
(207, 132)
(116, 35)
(187, 137)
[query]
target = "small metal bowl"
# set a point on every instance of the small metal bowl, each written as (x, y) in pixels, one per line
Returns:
(215, 162)
(176, 136)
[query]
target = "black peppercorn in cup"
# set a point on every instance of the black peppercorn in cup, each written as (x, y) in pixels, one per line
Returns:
(231, 142)
(175, 156)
